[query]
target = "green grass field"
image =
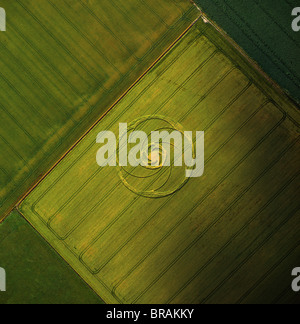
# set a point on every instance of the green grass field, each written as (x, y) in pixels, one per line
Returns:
(36, 274)
(61, 68)
(229, 236)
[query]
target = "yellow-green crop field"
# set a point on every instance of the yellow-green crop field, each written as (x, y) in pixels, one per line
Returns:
(63, 64)
(224, 237)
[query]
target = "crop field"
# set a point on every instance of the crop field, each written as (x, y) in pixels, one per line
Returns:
(62, 66)
(225, 237)
(32, 267)
(263, 30)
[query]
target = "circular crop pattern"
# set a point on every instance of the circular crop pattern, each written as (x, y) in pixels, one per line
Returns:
(155, 175)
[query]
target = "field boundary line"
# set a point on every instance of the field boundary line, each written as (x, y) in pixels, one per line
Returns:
(86, 102)
(107, 112)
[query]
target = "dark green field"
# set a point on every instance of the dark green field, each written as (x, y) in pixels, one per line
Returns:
(263, 29)
(61, 68)
(221, 238)
(37, 275)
